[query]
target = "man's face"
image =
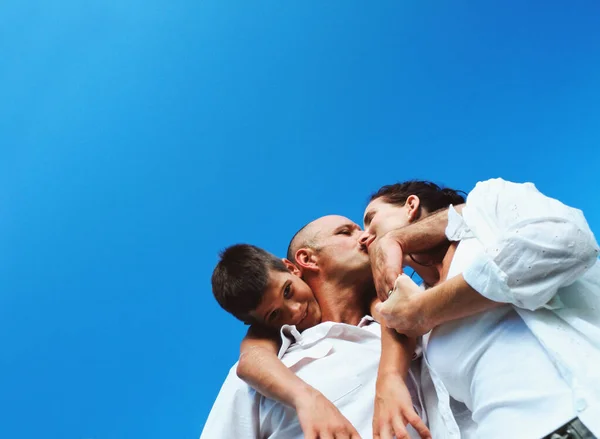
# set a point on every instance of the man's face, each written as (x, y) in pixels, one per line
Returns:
(288, 300)
(381, 217)
(340, 252)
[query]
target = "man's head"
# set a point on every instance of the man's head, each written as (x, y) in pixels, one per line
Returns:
(257, 287)
(328, 248)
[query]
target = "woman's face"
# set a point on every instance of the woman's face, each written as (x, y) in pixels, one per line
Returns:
(381, 217)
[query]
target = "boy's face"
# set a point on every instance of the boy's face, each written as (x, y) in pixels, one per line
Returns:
(288, 301)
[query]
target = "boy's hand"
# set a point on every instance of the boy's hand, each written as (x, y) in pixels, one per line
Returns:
(320, 419)
(394, 410)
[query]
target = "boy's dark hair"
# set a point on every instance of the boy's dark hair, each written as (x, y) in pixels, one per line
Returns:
(432, 196)
(241, 278)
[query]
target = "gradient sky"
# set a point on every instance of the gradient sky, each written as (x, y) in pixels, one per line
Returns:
(139, 138)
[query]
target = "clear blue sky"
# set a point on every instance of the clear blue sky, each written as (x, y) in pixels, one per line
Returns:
(139, 138)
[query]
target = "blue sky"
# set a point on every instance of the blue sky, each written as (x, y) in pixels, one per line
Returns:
(137, 139)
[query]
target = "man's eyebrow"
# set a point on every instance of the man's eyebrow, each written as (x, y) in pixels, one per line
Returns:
(345, 226)
(368, 217)
(338, 228)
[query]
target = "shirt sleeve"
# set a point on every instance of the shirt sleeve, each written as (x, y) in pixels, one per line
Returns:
(534, 244)
(235, 413)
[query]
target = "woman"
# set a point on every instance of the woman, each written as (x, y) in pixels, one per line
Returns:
(522, 370)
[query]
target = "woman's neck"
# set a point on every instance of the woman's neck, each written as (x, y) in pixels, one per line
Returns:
(434, 265)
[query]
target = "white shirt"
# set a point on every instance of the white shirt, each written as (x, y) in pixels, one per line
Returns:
(540, 257)
(339, 360)
(492, 363)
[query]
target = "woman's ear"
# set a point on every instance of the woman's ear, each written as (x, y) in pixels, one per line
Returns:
(413, 208)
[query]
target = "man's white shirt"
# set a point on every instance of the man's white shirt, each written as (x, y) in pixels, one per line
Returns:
(339, 360)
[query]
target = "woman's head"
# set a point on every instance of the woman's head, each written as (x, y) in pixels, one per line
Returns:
(398, 205)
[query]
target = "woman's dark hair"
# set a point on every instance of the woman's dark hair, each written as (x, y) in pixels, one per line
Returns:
(431, 196)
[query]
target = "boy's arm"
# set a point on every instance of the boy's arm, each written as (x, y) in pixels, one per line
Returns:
(393, 403)
(260, 367)
(235, 412)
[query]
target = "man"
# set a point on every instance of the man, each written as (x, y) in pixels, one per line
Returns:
(330, 356)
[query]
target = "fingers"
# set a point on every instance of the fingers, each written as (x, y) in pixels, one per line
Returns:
(346, 433)
(399, 428)
(384, 280)
(418, 424)
(339, 431)
(400, 280)
(387, 309)
(385, 431)
(354, 434)
(404, 281)
(390, 280)
(386, 262)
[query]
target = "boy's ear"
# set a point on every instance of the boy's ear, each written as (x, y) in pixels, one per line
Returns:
(306, 260)
(292, 267)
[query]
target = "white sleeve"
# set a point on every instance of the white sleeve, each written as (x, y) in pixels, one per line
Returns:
(235, 413)
(534, 244)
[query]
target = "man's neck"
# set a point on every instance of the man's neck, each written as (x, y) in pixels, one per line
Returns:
(342, 304)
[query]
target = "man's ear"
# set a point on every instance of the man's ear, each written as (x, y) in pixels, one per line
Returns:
(413, 204)
(292, 267)
(306, 260)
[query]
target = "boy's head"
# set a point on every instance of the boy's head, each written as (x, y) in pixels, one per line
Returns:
(257, 287)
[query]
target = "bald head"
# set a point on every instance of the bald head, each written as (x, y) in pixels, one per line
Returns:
(314, 233)
(305, 237)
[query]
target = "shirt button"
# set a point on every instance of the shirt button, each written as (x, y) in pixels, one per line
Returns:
(580, 404)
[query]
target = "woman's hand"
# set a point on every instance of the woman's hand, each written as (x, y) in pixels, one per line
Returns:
(402, 310)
